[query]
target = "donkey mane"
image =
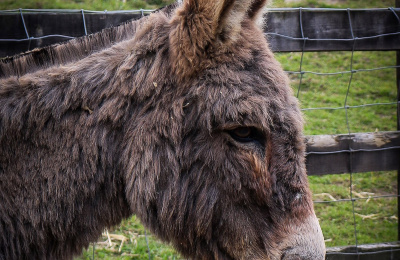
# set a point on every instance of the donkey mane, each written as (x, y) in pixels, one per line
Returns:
(72, 50)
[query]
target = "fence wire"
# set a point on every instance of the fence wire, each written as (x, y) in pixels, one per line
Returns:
(346, 107)
(21, 11)
(301, 73)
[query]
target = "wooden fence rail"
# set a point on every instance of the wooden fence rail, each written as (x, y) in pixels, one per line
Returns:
(333, 29)
(287, 29)
(360, 152)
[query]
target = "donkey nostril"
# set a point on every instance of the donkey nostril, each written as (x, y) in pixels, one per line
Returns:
(295, 253)
(289, 256)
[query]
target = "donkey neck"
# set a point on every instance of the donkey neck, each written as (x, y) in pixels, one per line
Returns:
(102, 85)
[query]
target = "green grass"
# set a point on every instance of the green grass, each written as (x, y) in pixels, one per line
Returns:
(376, 219)
(137, 4)
(84, 4)
(335, 4)
(367, 87)
(134, 245)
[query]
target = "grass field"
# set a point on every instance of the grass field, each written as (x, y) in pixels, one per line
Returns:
(376, 219)
(330, 91)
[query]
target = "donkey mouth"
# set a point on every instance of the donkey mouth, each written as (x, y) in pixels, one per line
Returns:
(306, 243)
(299, 254)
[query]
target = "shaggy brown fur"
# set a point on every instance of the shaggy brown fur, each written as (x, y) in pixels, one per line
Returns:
(187, 120)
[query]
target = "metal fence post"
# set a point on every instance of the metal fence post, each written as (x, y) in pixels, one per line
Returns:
(397, 4)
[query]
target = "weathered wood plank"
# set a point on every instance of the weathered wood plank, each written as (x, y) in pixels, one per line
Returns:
(56, 23)
(321, 25)
(318, 26)
(360, 152)
(384, 251)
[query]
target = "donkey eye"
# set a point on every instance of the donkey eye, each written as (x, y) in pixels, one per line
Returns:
(246, 134)
(241, 132)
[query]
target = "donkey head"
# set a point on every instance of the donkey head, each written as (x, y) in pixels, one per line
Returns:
(222, 174)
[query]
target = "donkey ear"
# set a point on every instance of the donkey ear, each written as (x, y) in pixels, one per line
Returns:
(199, 28)
(214, 16)
(256, 9)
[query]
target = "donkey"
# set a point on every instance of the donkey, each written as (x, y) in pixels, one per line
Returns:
(183, 118)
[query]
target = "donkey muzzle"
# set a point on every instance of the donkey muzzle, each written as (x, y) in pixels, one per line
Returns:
(306, 242)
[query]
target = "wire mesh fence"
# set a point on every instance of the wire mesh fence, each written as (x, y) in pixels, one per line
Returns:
(343, 71)
(342, 97)
(82, 12)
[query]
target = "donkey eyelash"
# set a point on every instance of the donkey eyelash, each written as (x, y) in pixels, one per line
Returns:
(244, 134)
